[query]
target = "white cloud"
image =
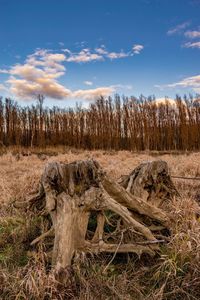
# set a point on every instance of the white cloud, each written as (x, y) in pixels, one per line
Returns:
(83, 56)
(101, 50)
(39, 75)
(193, 81)
(41, 71)
(88, 82)
(55, 57)
(28, 87)
(178, 29)
(99, 54)
(137, 48)
(4, 71)
(192, 34)
(189, 82)
(111, 55)
(50, 61)
(66, 50)
(116, 55)
(93, 93)
(192, 45)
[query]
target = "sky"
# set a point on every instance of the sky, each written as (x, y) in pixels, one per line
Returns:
(74, 51)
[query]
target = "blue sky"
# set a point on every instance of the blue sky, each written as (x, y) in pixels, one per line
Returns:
(76, 50)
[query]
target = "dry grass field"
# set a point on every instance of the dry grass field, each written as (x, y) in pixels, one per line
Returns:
(20, 170)
(24, 272)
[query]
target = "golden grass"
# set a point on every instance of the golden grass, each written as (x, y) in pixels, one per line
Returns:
(19, 175)
(175, 274)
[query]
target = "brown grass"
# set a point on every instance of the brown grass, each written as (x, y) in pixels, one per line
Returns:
(24, 272)
(19, 174)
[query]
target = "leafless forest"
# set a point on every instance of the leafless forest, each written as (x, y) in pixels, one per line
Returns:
(113, 123)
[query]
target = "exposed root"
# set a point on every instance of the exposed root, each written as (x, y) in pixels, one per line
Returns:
(50, 232)
(70, 192)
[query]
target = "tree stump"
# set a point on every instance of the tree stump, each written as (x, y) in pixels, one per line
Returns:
(151, 182)
(71, 192)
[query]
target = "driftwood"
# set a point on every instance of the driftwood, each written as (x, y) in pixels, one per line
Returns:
(71, 192)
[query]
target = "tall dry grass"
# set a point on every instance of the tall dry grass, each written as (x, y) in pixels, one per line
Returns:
(25, 273)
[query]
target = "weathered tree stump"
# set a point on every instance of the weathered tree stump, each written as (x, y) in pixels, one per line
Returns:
(151, 182)
(70, 192)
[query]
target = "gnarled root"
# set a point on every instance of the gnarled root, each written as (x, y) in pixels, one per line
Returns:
(71, 191)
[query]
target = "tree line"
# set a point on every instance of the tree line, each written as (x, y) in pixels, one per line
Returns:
(119, 123)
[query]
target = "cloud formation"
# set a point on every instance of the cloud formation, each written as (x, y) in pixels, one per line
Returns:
(99, 54)
(41, 71)
(192, 45)
(192, 34)
(93, 93)
(115, 55)
(178, 29)
(101, 50)
(189, 82)
(4, 71)
(137, 48)
(39, 75)
(189, 34)
(83, 56)
(87, 82)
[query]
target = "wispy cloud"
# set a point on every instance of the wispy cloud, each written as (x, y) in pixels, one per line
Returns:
(192, 34)
(189, 34)
(101, 50)
(100, 54)
(122, 87)
(192, 45)
(178, 29)
(4, 71)
(87, 82)
(116, 55)
(83, 56)
(137, 48)
(93, 93)
(188, 82)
